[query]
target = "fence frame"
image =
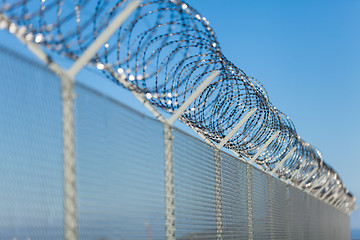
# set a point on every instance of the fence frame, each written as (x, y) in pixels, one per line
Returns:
(70, 195)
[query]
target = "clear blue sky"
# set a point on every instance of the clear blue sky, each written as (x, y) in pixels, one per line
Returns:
(307, 55)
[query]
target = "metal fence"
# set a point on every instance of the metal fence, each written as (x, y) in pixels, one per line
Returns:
(122, 189)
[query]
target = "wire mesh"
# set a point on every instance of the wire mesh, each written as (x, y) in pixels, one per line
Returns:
(120, 170)
(312, 219)
(234, 198)
(278, 210)
(31, 177)
(120, 174)
(194, 185)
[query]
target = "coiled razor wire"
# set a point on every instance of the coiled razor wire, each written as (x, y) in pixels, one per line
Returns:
(165, 49)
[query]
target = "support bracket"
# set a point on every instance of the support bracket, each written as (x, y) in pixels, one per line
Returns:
(262, 149)
(236, 128)
(283, 160)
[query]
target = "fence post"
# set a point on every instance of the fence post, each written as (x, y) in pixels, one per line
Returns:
(169, 183)
(70, 196)
(249, 201)
(218, 194)
(271, 206)
(288, 212)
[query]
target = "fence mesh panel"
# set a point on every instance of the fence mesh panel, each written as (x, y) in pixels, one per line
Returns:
(31, 177)
(234, 198)
(194, 176)
(120, 170)
(120, 174)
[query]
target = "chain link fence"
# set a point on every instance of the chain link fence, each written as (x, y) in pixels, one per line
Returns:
(120, 174)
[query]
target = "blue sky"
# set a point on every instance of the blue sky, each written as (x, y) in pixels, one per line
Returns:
(307, 55)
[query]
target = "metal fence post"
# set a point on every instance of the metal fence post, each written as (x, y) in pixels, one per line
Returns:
(249, 201)
(271, 206)
(288, 218)
(70, 196)
(169, 183)
(218, 194)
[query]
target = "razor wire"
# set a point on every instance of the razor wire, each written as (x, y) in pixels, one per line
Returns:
(164, 50)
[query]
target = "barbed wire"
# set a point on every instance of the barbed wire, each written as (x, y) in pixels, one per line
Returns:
(165, 49)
